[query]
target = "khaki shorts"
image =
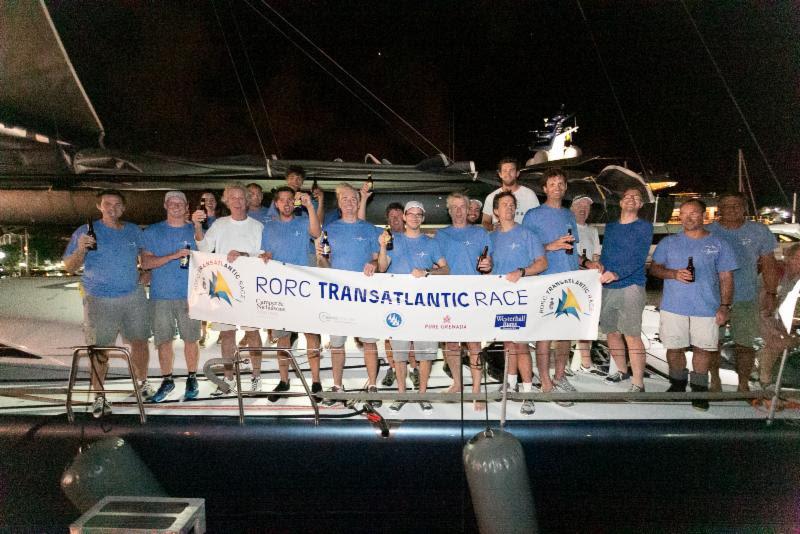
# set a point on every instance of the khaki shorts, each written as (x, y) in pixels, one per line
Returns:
(167, 314)
(107, 316)
(744, 319)
(681, 331)
(622, 309)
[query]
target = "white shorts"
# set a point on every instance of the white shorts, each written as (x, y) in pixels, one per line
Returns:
(338, 342)
(225, 327)
(682, 331)
(423, 350)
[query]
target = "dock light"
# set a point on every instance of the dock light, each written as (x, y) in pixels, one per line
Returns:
(2, 255)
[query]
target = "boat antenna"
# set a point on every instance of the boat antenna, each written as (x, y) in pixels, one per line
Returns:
(253, 78)
(611, 85)
(735, 102)
(241, 85)
(346, 73)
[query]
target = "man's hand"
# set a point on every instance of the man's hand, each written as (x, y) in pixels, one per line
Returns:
(485, 265)
(383, 238)
(233, 254)
(305, 200)
(608, 276)
(562, 243)
(84, 242)
(419, 273)
(723, 312)
(181, 252)
(265, 256)
(369, 269)
(682, 275)
(365, 191)
(514, 276)
(198, 217)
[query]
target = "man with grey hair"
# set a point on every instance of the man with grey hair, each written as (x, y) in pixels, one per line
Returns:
(234, 236)
(166, 250)
(353, 247)
(467, 249)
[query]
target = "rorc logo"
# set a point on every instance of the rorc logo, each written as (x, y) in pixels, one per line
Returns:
(394, 319)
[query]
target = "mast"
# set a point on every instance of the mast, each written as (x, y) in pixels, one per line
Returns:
(744, 179)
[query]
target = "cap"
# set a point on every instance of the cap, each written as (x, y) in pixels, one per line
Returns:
(414, 204)
(174, 194)
(580, 198)
(480, 204)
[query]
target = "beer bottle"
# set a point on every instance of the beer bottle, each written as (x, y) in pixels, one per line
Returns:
(204, 224)
(326, 246)
(569, 251)
(482, 257)
(390, 241)
(583, 259)
(90, 233)
(370, 184)
(690, 268)
(184, 261)
(298, 205)
(314, 186)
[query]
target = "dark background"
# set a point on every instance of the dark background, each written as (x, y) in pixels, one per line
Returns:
(473, 77)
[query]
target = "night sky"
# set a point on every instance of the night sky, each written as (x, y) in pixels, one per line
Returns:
(473, 77)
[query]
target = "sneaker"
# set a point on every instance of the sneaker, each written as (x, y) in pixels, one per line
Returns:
(427, 407)
(163, 391)
(397, 405)
(565, 385)
(636, 389)
(568, 371)
(202, 341)
(374, 403)
(255, 384)
(528, 407)
(192, 389)
(414, 374)
(591, 370)
(282, 386)
(331, 402)
(617, 377)
(231, 384)
(100, 407)
(560, 387)
(388, 378)
(146, 390)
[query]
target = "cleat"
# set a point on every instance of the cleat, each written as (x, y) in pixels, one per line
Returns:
(331, 402)
(414, 375)
(591, 370)
(219, 391)
(617, 377)
(528, 407)
(255, 384)
(146, 390)
(427, 407)
(282, 386)
(100, 407)
(163, 391)
(192, 389)
(388, 378)
(397, 405)
(374, 403)
(636, 389)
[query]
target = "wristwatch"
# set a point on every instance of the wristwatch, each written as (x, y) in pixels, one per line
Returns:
(522, 271)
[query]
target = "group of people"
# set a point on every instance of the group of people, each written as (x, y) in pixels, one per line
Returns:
(710, 278)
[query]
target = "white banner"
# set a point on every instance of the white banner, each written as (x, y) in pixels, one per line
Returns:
(437, 308)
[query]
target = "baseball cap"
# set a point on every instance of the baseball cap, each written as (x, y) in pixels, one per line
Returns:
(174, 194)
(414, 204)
(480, 204)
(580, 198)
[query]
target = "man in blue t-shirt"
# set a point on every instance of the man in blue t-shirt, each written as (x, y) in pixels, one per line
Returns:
(556, 228)
(286, 239)
(697, 269)
(625, 247)
(353, 247)
(753, 245)
(516, 253)
(167, 247)
(416, 254)
(114, 299)
(255, 207)
(463, 246)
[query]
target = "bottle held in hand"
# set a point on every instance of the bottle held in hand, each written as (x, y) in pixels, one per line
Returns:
(90, 233)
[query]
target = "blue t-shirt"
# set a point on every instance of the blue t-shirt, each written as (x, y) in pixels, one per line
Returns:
(262, 214)
(549, 224)
(518, 247)
(169, 281)
(711, 255)
(352, 244)
(288, 241)
(210, 220)
(413, 253)
(625, 248)
(462, 247)
(111, 270)
(749, 241)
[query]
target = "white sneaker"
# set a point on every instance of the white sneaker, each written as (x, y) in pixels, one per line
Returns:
(591, 370)
(255, 384)
(100, 407)
(146, 390)
(231, 384)
(528, 407)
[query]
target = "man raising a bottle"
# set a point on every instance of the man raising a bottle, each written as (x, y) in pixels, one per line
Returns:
(167, 246)
(694, 304)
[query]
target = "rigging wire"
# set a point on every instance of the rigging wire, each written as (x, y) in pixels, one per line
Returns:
(241, 85)
(735, 102)
(255, 83)
(613, 90)
(339, 81)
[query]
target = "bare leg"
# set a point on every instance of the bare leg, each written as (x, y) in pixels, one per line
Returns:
(337, 364)
(253, 339)
(401, 368)
(140, 354)
(228, 349)
(313, 342)
(584, 350)
(371, 362)
(424, 374)
(744, 365)
(284, 342)
(166, 356)
(616, 346)
(543, 365)
(511, 353)
(524, 362)
(387, 346)
(714, 361)
(638, 358)
(562, 358)
(452, 354)
(676, 359)
(700, 360)
(191, 351)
